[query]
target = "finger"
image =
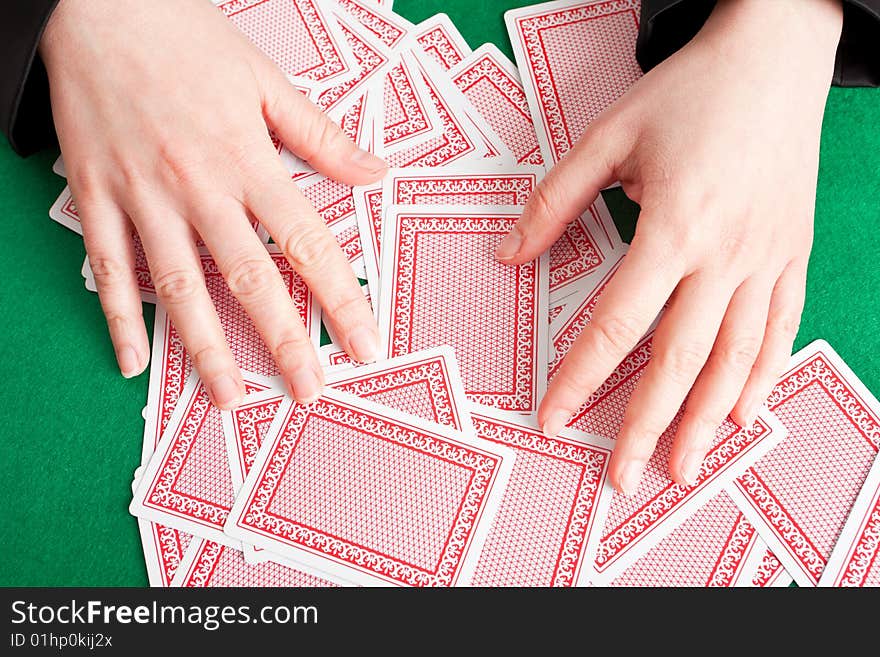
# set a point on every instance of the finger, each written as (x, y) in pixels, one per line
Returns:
(625, 311)
(786, 305)
(107, 237)
(309, 133)
(681, 345)
(312, 250)
(563, 194)
(180, 285)
(722, 379)
(255, 281)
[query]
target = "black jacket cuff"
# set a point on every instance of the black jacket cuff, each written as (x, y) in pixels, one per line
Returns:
(667, 25)
(25, 113)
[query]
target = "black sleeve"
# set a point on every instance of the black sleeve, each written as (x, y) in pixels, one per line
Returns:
(666, 25)
(25, 114)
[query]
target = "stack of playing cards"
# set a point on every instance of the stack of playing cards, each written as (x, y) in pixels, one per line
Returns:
(428, 468)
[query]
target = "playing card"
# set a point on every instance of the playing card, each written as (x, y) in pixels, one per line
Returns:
(491, 82)
(439, 37)
(378, 18)
(371, 55)
(58, 167)
(476, 183)
(171, 366)
(762, 569)
(63, 211)
(332, 355)
(210, 564)
(430, 493)
(186, 483)
(443, 285)
(164, 548)
(408, 111)
(310, 46)
(426, 384)
(800, 494)
(576, 57)
(638, 522)
(464, 132)
(711, 548)
(568, 325)
(853, 562)
(547, 529)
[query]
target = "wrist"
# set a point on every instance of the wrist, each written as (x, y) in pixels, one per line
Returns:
(796, 34)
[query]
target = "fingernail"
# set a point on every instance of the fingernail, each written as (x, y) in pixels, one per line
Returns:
(368, 161)
(129, 363)
(630, 477)
(305, 386)
(364, 342)
(510, 245)
(225, 391)
(690, 467)
(554, 423)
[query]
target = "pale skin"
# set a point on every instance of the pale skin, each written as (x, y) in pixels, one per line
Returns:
(718, 144)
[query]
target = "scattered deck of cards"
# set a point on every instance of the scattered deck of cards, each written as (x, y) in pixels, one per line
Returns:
(428, 467)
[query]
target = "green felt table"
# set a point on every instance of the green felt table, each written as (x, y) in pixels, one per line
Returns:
(71, 425)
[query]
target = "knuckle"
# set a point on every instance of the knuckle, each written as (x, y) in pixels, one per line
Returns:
(786, 326)
(740, 353)
(290, 349)
(321, 136)
(251, 278)
(307, 247)
(177, 286)
(207, 357)
(108, 271)
(706, 424)
(344, 308)
(733, 247)
(616, 334)
(681, 363)
(543, 204)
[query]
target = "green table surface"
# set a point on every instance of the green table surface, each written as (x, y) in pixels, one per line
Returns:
(71, 425)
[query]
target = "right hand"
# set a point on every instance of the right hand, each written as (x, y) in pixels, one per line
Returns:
(161, 110)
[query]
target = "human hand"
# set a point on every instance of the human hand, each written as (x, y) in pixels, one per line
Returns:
(719, 145)
(161, 110)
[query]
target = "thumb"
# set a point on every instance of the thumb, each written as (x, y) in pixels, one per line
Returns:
(312, 136)
(564, 193)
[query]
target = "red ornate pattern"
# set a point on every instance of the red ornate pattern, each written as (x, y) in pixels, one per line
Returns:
(464, 189)
(215, 565)
(499, 97)
(707, 549)
(404, 116)
(380, 24)
(453, 144)
(441, 46)
(313, 491)
(371, 60)
(540, 533)
(193, 480)
(575, 255)
(862, 565)
(422, 388)
(565, 337)
(572, 88)
(305, 48)
(446, 284)
(169, 545)
(768, 571)
(806, 486)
